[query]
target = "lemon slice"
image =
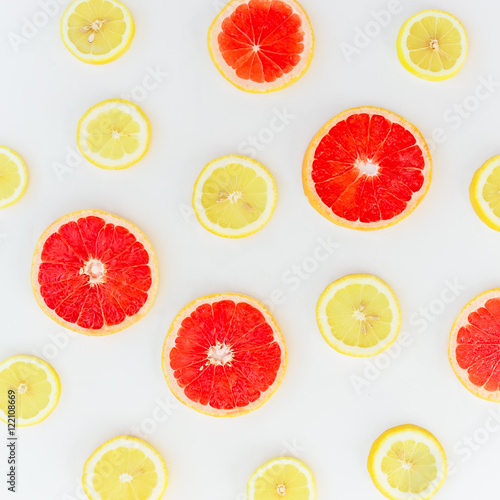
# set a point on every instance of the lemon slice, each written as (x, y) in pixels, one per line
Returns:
(432, 45)
(126, 468)
(97, 31)
(359, 315)
(13, 177)
(406, 463)
(282, 479)
(234, 196)
(114, 134)
(484, 192)
(36, 387)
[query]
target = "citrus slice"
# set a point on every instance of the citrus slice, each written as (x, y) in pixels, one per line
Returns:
(359, 315)
(474, 347)
(261, 45)
(432, 45)
(224, 355)
(94, 273)
(484, 192)
(126, 468)
(282, 478)
(407, 463)
(13, 177)
(367, 168)
(34, 386)
(114, 134)
(234, 196)
(97, 31)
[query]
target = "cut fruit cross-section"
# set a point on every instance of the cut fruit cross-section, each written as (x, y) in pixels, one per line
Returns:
(13, 177)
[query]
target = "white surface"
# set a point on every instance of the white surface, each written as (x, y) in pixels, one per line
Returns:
(111, 384)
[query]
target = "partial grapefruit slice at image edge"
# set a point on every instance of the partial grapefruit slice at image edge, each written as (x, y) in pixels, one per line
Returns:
(224, 355)
(367, 169)
(94, 273)
(261, 45)
(474, 347)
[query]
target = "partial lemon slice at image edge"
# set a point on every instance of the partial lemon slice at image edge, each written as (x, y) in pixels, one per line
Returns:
(484, 192)
(282, 478)
(114, 134)
(407, 463)
(36, 389)
(359, 315)
(234, 196)
(126, 468)
(97, 31)
(13, 177)
(432, 45)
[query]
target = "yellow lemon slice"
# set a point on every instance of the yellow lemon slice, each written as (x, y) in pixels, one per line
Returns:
(13, 177)
(407, 463)
(282, 479)
(432, 45)
(33, 384)
(114, 134)
(126, 468)
(234, 196)
(97, 31)
(484, 192)
(359, 315)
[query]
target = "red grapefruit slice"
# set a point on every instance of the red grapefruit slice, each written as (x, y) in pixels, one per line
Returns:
(474, 348)
(261, 45)
(367, 168)
(94, 273)
(224, 355)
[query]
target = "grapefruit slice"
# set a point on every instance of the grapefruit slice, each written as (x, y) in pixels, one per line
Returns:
(94, 273)
(367, 168)
(13, 177)
(474, 347)
(224, 355)
(261, 45)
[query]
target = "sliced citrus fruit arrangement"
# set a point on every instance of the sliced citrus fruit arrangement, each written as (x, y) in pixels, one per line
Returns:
(36, 389)
(94, 273)
(234, 196)
(484, 192)
(474, 347)
(282, 478)
(224, 355)
(97, 31)
(126, 468)
(261, 45)
(407, 463)
(13, 177)
(433, 45)
(359, 315)
(367, 168)
(114, 134)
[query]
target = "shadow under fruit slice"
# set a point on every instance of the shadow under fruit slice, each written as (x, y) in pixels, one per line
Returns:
(224, 355)
(94, 272)
(367, 168)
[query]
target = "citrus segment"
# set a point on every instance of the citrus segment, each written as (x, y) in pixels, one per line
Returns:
(474, 347)
(432, 45)
(94, 273)
(125, 468)
(367, 168)
(359, 315)
(261, 45)
(36, 389)
(97, 31)
(234, 196)
(224, 355)
(407, 463)
(13, 177)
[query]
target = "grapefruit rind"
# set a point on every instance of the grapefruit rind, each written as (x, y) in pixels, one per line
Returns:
(248, 85)
(109, 218)
(169, 343)
(23, 174)
(324, 210)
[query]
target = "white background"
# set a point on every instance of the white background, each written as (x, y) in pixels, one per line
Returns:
(110, 385)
